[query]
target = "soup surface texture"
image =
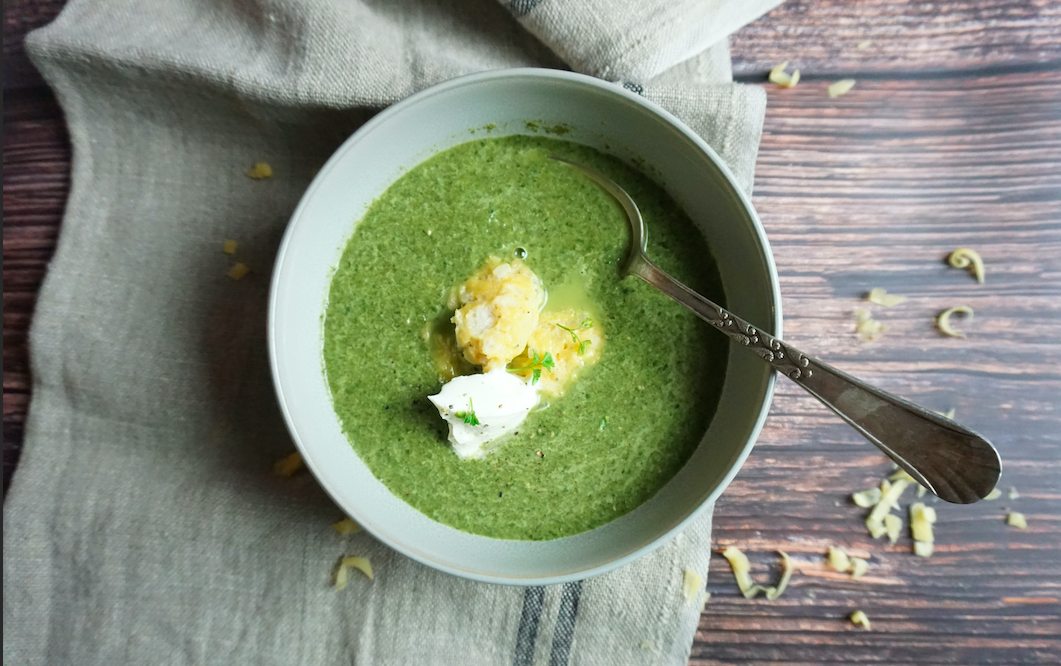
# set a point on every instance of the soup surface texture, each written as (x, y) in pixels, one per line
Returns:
(618, 434)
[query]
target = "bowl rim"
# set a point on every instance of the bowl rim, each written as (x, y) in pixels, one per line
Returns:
(601, 85)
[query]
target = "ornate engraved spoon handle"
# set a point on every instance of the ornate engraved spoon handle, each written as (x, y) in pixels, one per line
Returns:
(789, 362)
(952, 461)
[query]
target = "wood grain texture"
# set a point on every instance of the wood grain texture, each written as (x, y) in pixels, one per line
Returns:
(21, 16)
(951, 137)
(924, 39)
(36, 182)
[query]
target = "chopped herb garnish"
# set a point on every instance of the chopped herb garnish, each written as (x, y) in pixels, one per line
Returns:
(582, 344)
(537, 364)
(469, 416)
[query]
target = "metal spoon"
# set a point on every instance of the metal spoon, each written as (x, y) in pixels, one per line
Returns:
(952, 461)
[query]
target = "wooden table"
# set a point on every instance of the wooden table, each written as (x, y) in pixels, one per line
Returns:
(951, 137)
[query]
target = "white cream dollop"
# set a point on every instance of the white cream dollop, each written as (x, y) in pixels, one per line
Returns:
(499, 400)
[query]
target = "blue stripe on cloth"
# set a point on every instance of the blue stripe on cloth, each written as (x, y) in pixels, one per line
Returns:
(565, 623)
(528, 626)
(521, 8)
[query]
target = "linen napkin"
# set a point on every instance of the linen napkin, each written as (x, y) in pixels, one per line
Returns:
(144, 525)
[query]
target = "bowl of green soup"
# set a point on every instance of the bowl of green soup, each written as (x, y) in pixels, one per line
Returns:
(441, 262)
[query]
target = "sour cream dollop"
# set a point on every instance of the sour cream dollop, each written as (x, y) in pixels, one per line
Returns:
(499, 400)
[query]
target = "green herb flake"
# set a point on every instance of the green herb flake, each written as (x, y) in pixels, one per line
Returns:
(537, 364)
(573, 332)
(469, 416)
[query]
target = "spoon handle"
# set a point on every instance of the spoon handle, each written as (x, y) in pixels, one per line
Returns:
(950, 460)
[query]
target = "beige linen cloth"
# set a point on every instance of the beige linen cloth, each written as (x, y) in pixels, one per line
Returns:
(144, 525)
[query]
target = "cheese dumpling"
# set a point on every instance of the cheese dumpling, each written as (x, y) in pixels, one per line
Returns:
(497, 311)
(572, 340)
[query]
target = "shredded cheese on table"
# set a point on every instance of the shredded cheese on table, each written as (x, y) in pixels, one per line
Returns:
(893, 526)
(288, 466)
(921, 519)
(782, 78)
(866, 498)
(881, 297)
(260, 170)
(738, 561)
(888, 501)
(841, 87)
(692, 583)
(943, 320)
(964, 257)
(868, 328)
(859, 567)
(238, 271)
(838, 559)
(346, 526)
(923, 548)
(360, 563)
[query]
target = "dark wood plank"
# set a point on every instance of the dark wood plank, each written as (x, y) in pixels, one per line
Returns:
(36, 182)
(20, 17)
(821, 37)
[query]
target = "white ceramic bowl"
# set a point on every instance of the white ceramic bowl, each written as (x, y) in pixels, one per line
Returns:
(601, 115)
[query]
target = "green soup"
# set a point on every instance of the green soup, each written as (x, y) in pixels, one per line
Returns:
(617, 435)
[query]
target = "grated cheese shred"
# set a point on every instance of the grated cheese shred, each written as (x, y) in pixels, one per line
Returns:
(838, 559)
(782, 78)
(360, 563)
(238, 271)
(921, 519)
(287, 467)
(893, 526)
(259, 171)
(943, 320)
(692, 583)
(738, 561)
(859, 567)
(882, 297)
(970, 259)
(868, 328)
(866, 498)
(841, 87)
(346, 526)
